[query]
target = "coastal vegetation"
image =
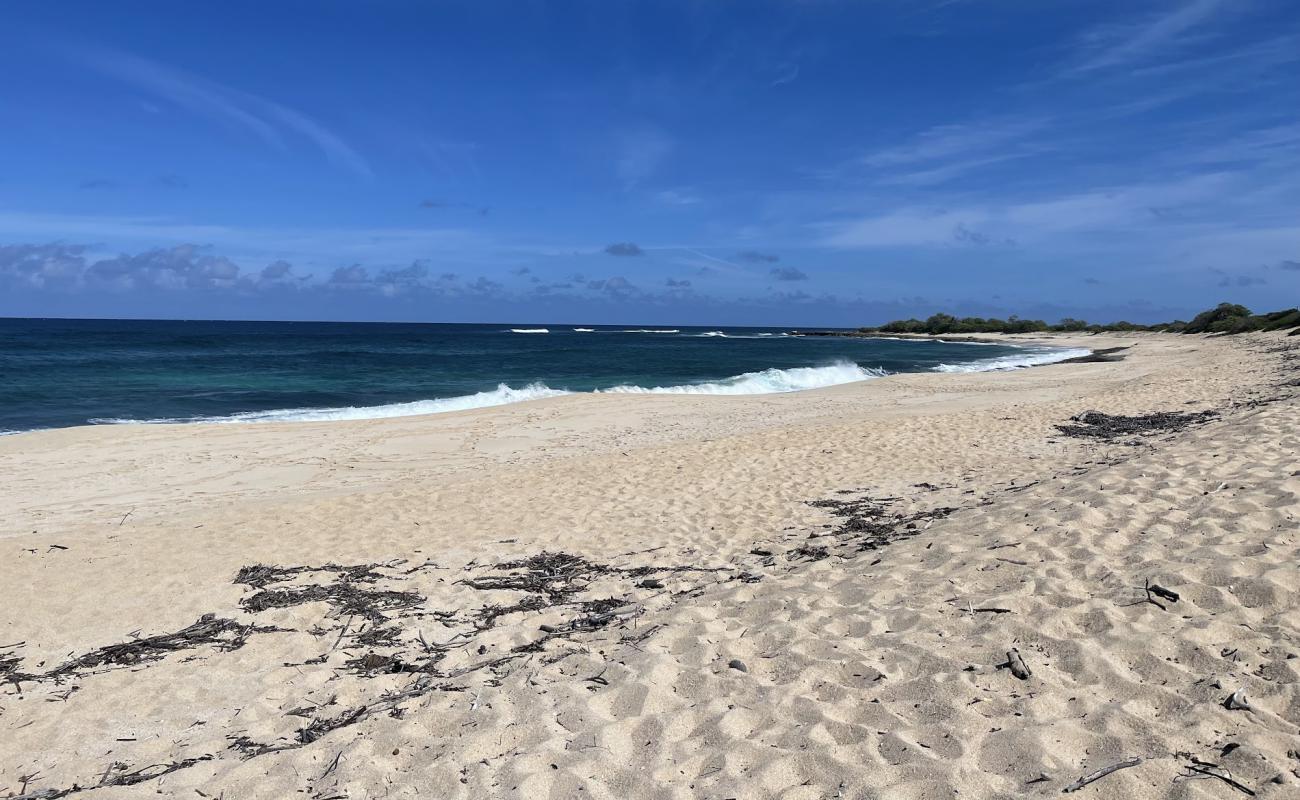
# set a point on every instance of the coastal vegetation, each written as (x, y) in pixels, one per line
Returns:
(1225, 318)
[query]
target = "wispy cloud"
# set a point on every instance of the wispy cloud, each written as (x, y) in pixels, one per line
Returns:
(945, 152)
(789, 74)
(640, 153)
(1125, 43)
(715, 262)
(953, 140)
(1274, 145)
(1136, 90)
(677, 197)
(266, 119)
(1009, 220)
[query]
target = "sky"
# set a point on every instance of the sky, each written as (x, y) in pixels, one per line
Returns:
(763, 163)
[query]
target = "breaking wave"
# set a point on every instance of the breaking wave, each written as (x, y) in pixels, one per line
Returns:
(1018, 361)
(768, 381)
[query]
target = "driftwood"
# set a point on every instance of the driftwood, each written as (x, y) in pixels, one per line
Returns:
(1158, 591)
(1101, 773)
(1017, 665)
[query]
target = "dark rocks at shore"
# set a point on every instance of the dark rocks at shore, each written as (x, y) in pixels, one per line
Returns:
(880, 335)
(1096, 356)
(1104, 354)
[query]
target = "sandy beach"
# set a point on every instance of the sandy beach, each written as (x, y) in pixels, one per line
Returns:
(805, 595)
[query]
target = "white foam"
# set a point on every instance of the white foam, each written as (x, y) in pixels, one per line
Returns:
(500, 396)
(529, 330)
(585, 330)
(651, 330)
(723, 335)
(1033, 358)
(768, 381)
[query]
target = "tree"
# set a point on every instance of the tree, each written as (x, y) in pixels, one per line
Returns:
(1220, 319)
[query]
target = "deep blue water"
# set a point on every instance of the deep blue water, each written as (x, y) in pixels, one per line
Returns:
(56, 373)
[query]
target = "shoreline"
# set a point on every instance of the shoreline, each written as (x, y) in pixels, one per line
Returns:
(540, 391)
(867, 553)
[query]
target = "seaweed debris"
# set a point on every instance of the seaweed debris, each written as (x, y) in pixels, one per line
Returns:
(1108, 427)
(225, 634)
(869, 524)
(117, 774)
(259, 576)
(344, 596)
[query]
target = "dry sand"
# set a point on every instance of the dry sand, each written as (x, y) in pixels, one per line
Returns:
(869, 652)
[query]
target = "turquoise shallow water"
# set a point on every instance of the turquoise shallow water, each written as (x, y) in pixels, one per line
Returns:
(57, 373)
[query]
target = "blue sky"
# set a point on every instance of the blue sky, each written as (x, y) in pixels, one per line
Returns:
(784, 163)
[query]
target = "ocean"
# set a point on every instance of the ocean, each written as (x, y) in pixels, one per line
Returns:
(60, 373)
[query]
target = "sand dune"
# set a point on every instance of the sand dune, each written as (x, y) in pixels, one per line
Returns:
(632, 597)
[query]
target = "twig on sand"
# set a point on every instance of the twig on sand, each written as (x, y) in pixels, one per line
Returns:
(1101, 773)
(1207, 769)
(344, 630)
(333, 766)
